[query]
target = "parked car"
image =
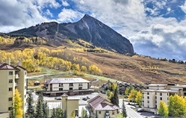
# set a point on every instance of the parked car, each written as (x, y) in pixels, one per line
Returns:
(57, 98)
(85, 99)
(139, 110)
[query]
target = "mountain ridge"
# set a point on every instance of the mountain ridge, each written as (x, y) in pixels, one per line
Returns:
(87, 28)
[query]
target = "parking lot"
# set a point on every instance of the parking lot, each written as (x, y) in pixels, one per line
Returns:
(82, 101)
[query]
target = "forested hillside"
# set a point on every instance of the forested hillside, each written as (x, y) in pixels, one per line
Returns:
(82, 57)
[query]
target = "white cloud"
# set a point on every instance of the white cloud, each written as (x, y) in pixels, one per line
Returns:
(124, 14)
(68, 15)
(65, 3)
(183, 7)
(48, 13)
(154, 36)
(45, 3)
(164, 38)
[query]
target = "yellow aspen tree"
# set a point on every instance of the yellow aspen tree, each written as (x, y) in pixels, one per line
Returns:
(138, 98)
(17, 105)
(163, 110)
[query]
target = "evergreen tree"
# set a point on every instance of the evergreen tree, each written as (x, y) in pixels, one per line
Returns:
(45, 110)
(114, 99)
(17, 111)
(39, 107)
(84, 113)
(127, 91)
(96, 114)
(124, 112)
(53, 113)
(130, 89)
(30, 109)
(64, 114)
(59, 113)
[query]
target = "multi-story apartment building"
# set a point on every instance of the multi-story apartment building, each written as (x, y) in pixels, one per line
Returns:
(70, 86)
(11, 78)
(157, 92)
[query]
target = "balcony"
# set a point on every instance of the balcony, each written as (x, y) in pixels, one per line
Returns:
(16, 76)
(15, 84)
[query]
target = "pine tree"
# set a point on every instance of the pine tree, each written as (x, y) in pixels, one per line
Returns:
(39, 107)
(124, 112)
(53, 113)
(17, 105)
(114, 99)
(84, 113)
(30, 109)
(59, 113)
(45, 110)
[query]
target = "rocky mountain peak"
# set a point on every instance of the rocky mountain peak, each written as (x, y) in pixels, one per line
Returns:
(88, 29)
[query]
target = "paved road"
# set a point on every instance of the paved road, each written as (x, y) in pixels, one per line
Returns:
(130, 112)
(37, 76)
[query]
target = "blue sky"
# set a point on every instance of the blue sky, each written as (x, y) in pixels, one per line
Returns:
(155, 27)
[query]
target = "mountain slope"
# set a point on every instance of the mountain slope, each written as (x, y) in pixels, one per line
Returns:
(88, 29)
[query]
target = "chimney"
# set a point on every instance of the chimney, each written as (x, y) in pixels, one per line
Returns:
(20, 62)
(8, 61)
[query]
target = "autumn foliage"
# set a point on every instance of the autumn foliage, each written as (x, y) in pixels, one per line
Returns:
(33, 59)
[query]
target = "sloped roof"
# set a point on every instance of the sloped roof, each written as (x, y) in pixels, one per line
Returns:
(6, 66)
(66, 80)
(100, 103)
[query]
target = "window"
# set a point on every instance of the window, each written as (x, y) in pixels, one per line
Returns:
(60, 85)
(9, 99)
(70, 88)
(160, 94)
(9, 108)
(10, 72)
(99, 112)
(147, 93)
(160, 98)
(112, 112)
(10, 81)
(80, 88)
(71, 84)
(117, 111)
(147, 97)
(80, 84)
(10, 89)
(60, 89)
(147, 101)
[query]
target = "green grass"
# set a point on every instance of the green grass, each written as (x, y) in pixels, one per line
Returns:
(53, 71)
(101, 78)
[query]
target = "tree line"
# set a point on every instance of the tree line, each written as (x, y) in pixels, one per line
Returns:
(58, 59)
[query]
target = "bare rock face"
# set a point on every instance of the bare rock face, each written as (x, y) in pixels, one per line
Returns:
(88, 29)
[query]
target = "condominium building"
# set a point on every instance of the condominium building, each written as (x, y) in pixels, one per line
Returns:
(12, 77)
(160, 92)
(70, 86)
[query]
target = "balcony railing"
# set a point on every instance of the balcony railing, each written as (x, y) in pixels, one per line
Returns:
(16, 76)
